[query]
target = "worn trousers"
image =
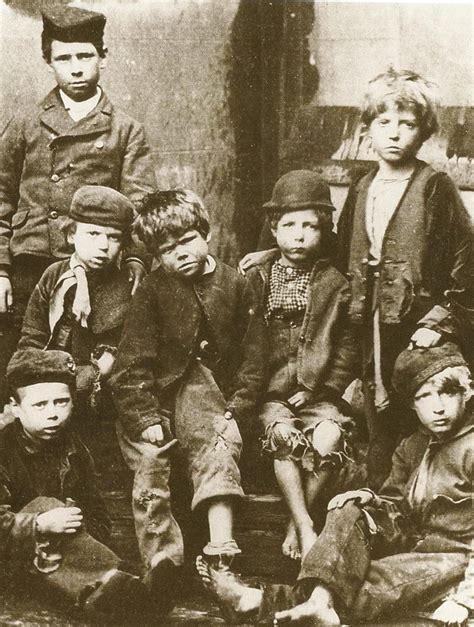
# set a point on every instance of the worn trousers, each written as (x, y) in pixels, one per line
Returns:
(210, 446)
(366, 589)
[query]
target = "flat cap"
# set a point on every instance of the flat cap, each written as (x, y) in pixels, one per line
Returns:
(69, 24)
(95, 204)
(33, 365)
(300, 189)
(414, 367)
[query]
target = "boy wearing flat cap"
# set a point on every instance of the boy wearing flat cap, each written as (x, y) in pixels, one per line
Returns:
(53, 522)
(312, 350)
(79, 303)
(409, 548)
(74, 137)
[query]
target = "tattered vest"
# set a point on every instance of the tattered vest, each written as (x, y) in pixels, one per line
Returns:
(401, 293)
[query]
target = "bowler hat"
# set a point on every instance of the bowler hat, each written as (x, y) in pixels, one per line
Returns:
(29, 366)
(104, 206)
(300, 189)
(415, 366)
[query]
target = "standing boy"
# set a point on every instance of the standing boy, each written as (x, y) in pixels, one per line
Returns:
(191, 364)
(53, 522)
(312, 350)
(409, 548)
(79, 304)
(74, 137)
(405, 240)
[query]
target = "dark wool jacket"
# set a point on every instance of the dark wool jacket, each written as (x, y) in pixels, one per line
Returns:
(427, 255)
(18, 487)
(160, 339)
(45, 157)
(328, 350)
(109, 292)
(445, 514)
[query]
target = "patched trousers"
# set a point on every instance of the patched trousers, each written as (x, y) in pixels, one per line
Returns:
(211, 446)
(366, 589)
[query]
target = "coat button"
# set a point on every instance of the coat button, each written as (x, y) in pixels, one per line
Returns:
(53, 215)
(376, 274)
(55, 178)
(99, 144)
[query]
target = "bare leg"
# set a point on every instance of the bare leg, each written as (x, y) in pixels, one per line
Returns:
(319, 609)
(220, 518)
(291, 485)
(291, 545)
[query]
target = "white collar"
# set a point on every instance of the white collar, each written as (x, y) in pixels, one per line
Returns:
(79, 110)
(209, 266)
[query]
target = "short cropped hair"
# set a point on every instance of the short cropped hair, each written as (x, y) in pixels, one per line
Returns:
(170, 213)
(47, 40)
(406, 90)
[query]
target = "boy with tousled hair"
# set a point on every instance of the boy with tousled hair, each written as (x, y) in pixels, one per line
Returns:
(190, 366)
(312, 355)
(407, 548)
(405, 240)
(74, 137)
(79, 304)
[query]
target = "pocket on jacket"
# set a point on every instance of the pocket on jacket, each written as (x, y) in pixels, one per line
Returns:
(397, 291)
(19, 218)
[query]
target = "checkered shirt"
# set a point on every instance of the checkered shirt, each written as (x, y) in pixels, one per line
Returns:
(288, 291)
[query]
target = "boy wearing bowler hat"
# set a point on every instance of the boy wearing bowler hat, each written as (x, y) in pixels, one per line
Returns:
(79, 304)
(74, 137)
(313, 351)
(53, 522)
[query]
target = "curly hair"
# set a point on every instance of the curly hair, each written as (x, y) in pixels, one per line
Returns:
(406, 90)
(170, 213)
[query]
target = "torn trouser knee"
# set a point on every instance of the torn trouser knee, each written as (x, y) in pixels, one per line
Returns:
(337, 459)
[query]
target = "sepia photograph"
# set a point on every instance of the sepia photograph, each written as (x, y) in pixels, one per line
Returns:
(236, 313)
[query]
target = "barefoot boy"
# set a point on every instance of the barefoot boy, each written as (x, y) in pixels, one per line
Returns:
(53, 522)
(191, 363)
(312, 351)
(79, 304)
(403, 550)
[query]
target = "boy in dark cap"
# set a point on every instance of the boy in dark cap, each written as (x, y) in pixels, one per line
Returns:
(53, 522)
(190, 366)
(409, 548)
(79, 303)
(312, 350)
(74, 137)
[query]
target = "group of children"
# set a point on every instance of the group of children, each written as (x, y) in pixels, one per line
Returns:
(195, 349)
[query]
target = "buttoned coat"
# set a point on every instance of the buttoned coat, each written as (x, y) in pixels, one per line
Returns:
(45, 157)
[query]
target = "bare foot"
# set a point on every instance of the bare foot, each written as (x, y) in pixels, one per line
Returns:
(291, 544)
(318, 609)
(307, 537)
(233, 597)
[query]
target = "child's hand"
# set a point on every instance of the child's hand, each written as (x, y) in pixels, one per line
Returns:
(136, 274)
(105, 364)
(451, 613)
(424, 338)
(361, 497)
(6, 294)
(300, 399)
(153, 435)
(59, 520)
(248, 261)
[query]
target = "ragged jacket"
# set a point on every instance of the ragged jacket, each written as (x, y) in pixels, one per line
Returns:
(19, 486)
(160, 336)
(427, 255)
(45, 157)
(444, 514)
(328, 350)
(44, 320)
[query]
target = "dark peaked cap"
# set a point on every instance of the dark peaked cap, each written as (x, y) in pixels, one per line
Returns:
(69, 24)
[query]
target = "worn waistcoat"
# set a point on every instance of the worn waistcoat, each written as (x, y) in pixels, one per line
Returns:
(401, 292)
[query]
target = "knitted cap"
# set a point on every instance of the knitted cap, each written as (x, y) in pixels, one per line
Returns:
(300, 189)
(414, 367)
(33, 365)
(70, 24)
(94, 204)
